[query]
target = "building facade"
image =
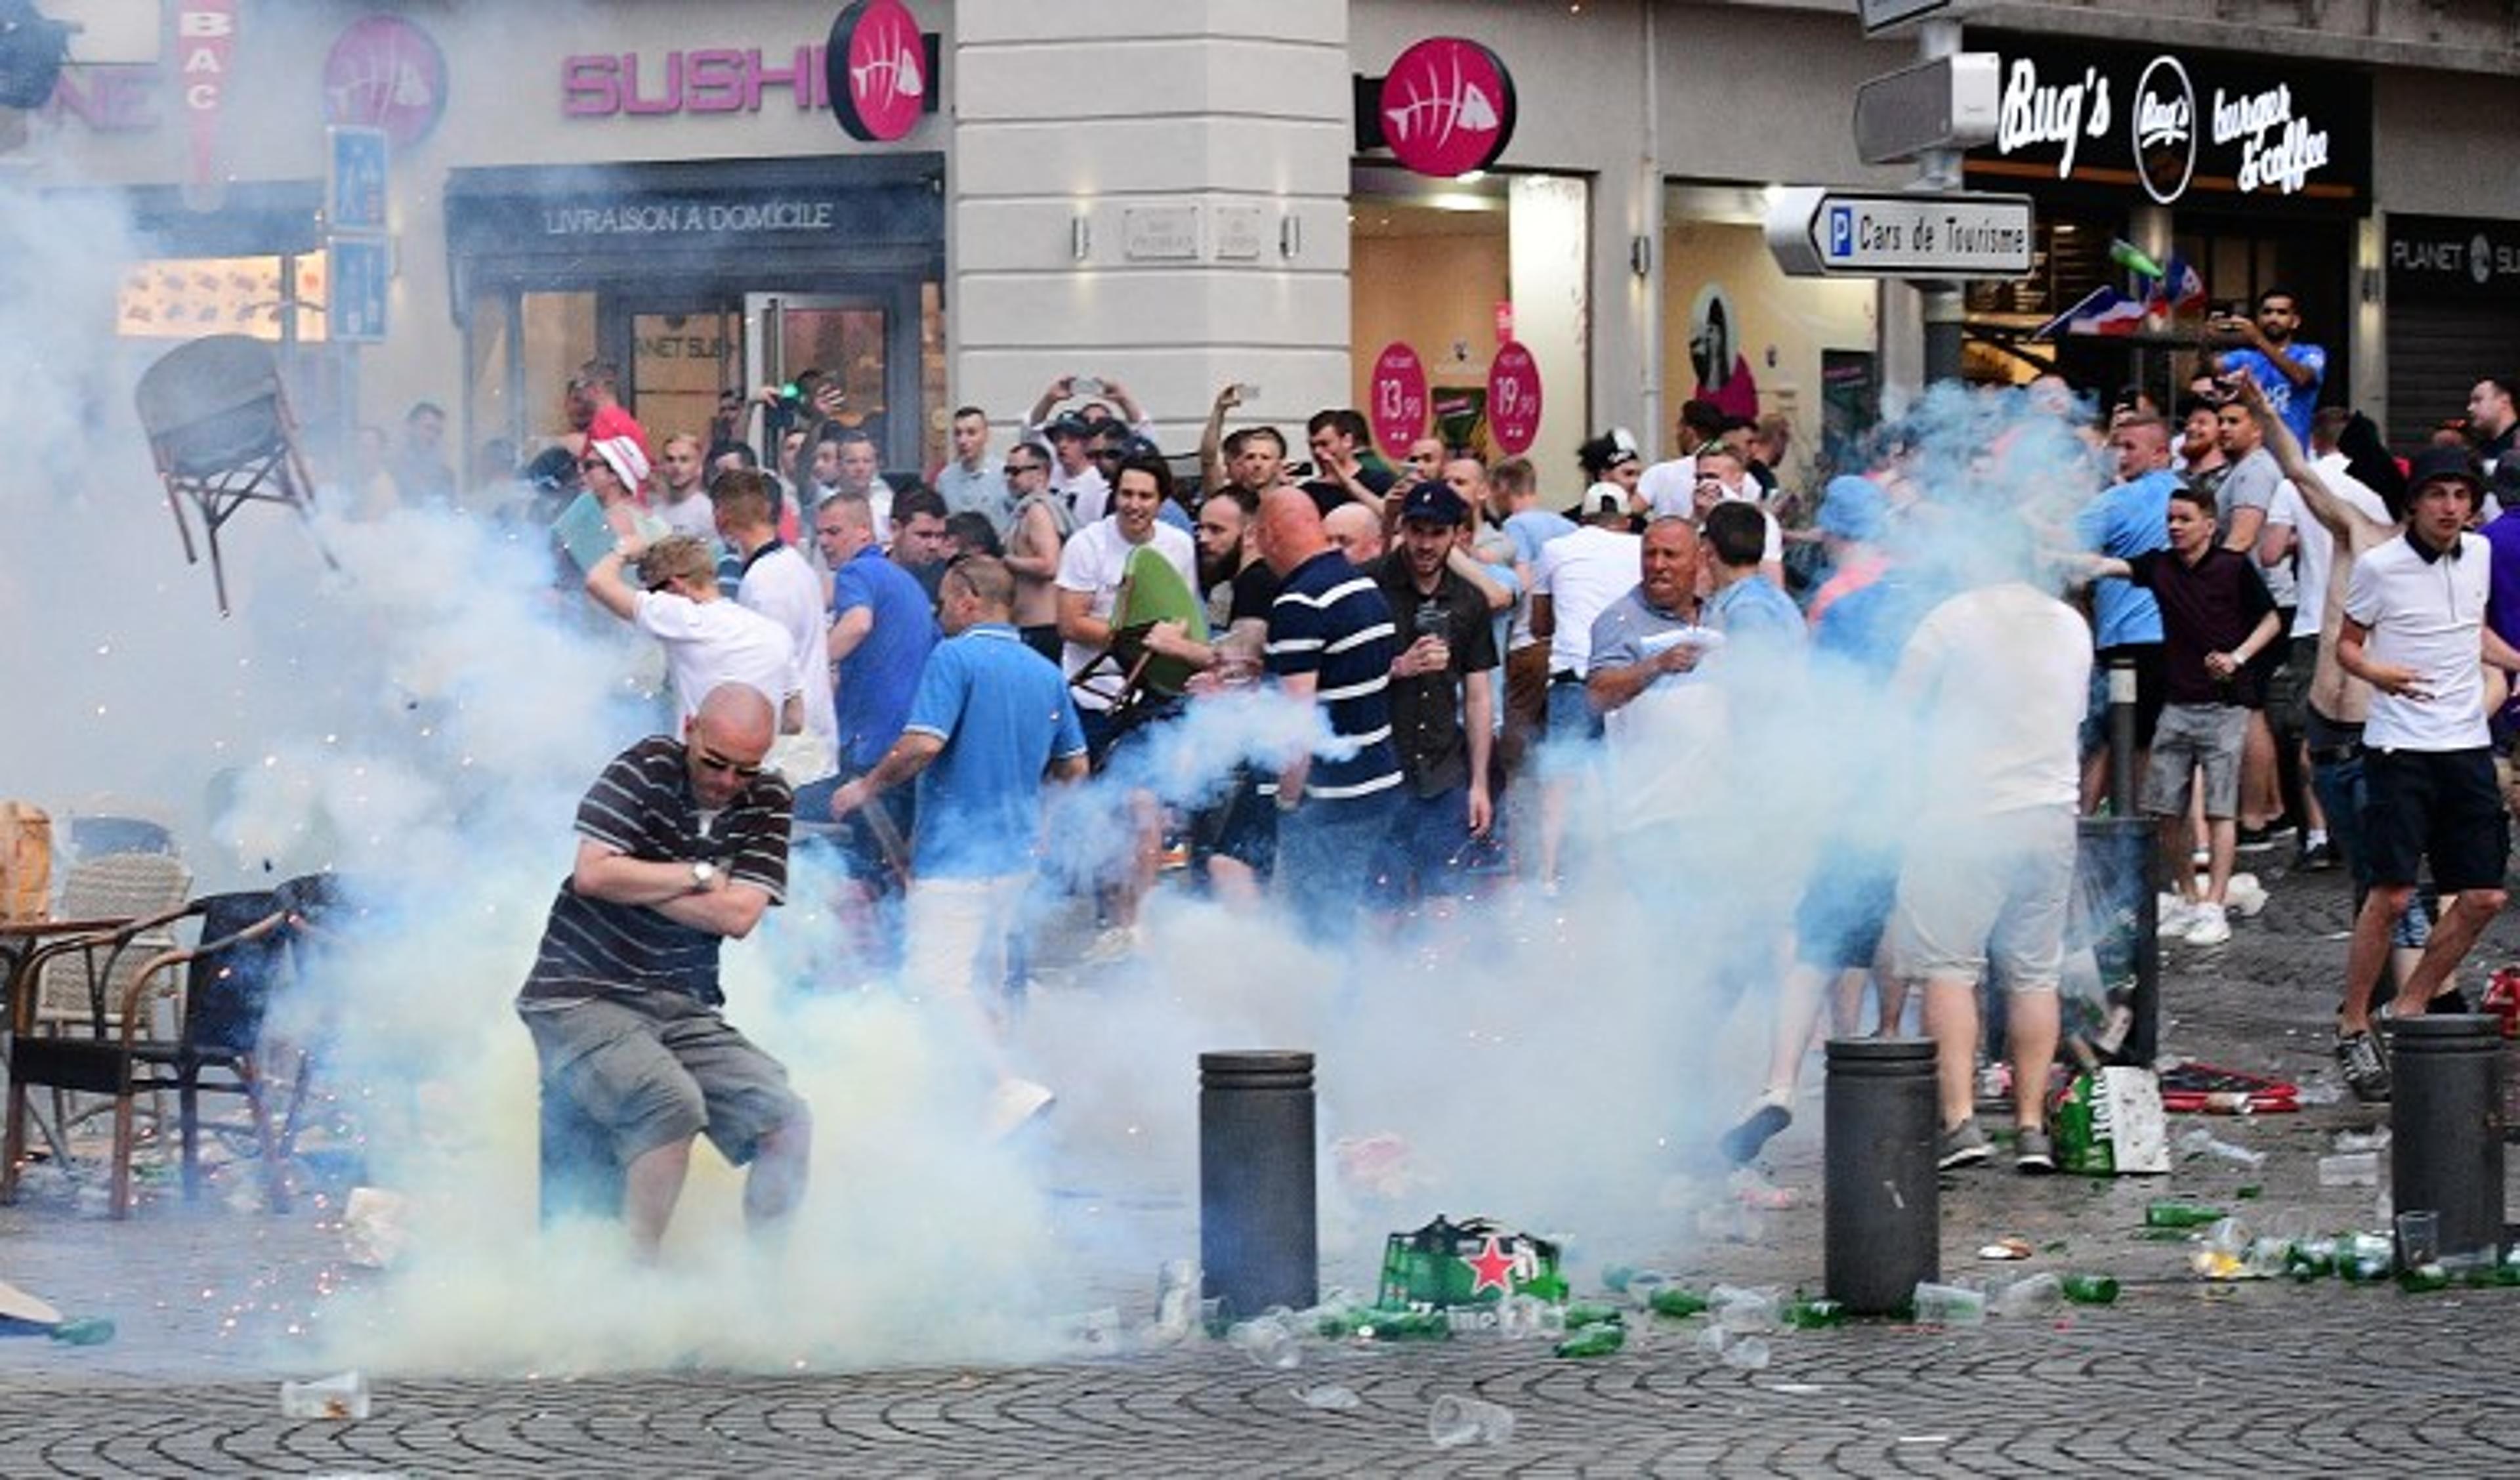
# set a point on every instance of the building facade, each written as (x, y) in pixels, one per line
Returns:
(1180, 195)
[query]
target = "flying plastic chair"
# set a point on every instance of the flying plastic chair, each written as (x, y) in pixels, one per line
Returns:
(219, 426)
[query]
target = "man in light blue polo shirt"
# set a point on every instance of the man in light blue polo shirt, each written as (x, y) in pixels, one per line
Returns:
(2130, 520)
(991, 719)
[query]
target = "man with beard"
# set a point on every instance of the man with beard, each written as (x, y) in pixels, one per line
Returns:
(686, 504)
(1441, 701)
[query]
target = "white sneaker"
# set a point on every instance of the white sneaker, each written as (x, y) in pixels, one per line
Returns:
(2246, 894)
(2209, 927)
(2178, 917)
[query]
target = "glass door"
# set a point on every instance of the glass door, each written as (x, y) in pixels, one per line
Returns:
(849, 338)
(679, 364)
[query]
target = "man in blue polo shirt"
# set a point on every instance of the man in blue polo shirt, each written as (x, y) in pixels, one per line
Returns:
(881, 630)
(991, 718)
(1331, 644)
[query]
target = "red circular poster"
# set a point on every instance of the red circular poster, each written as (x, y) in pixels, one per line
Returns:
(385, 72)
(876, 69)
(1513, 398)
(1447, 106)
(1399, 397)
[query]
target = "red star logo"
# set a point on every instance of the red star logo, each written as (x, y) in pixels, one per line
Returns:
(1492, 1264)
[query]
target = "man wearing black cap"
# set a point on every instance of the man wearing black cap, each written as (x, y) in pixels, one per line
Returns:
(2414, 630)
(1443, 703)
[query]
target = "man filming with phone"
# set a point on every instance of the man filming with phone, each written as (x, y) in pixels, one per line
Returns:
(2264, 350)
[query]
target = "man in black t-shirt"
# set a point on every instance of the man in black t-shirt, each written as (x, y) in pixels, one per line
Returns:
(1443, 704)
(2215, 616)
(681, 845)
(1234, 839)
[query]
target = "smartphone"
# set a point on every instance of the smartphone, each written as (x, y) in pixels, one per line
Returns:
(1085, 385)
(1245, 392)
(1432, 620)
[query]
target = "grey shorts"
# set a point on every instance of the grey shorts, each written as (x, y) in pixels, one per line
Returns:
(2192, 735)
(660, 1070)
(1992, 895)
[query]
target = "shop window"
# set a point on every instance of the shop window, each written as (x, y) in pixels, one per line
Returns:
(1452, 267)
(490, 410)
(556, 331)
(1737, 331)
(679, 363)
(190, 297)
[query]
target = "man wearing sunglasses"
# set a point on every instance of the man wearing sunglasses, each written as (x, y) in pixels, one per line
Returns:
(1037, 530)
(680, 845)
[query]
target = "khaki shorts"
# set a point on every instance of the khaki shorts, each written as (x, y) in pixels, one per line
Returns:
(1993, 894)
(658, 1070)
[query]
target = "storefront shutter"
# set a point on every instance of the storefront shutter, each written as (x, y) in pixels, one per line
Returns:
(2438, 351)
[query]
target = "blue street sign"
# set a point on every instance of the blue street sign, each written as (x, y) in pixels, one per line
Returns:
(361, 267)
(1841, 231)
(354, 196)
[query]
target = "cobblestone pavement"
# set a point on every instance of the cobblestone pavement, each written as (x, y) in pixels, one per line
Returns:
(2179, 1376)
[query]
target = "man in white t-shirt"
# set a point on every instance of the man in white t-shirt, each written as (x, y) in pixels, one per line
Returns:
(708, 639)
(1090, 571)
(2414, 630)
(684, 507)
(1577, 577)
(1723, 477)
(1997, 679)
(779, 585)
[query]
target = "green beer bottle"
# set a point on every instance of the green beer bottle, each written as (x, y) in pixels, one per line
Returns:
(2170, 1213)
(1597, 1340)
(1815, 1315)
(2091, 1290)
(1672, 1300)
(1408, 1326)
(1584, 1313)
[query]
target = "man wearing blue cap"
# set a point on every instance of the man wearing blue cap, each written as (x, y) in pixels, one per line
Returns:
(1443, 703)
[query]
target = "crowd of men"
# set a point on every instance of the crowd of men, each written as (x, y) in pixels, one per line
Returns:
(1490, 662)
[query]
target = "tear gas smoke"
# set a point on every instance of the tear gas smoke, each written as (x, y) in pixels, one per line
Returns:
(426, 721)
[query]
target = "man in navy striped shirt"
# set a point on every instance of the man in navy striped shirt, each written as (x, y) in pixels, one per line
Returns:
(681, 845)
(1331, 644)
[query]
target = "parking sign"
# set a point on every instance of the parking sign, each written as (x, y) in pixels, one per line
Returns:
(361, 269)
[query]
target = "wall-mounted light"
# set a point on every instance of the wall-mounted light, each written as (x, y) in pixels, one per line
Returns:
(1290, 236)
(1080, 237)
(1641, 255)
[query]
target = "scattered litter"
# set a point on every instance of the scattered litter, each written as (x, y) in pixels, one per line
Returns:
(2204, 1142)
(2091, 1290)
(2363, 1141)
(15, 1305)
(1599, 1340)
(2193, 1088)
(1797, 1389)
(1455, 1421)
(1268, 1341)
(1924, 1438)
(2350, 1169)
(1949, 1305)
(373, 1230)
(1749, 1355)
(1736, 1308)
(86, 1331)
(344, 1395)
(1752, 1189)
(2005, 1248)
(1330, 1397)
(2031, 1296)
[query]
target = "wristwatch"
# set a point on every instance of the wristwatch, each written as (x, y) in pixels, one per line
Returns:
(703, 874)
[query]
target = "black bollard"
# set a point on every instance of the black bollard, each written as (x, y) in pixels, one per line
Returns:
(2122, 715)
(1882, 1225)
(2446, 1122)
(1258, 1239)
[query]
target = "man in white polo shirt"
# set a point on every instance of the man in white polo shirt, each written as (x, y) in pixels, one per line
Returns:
(2414, 630)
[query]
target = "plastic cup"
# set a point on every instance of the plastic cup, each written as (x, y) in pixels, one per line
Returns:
(344, 1395)
(1455, 1421)
(2418, 1238)
(1949, 1305)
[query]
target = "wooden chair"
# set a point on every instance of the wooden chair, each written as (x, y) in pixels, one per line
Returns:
(76, 990)
(225, 981)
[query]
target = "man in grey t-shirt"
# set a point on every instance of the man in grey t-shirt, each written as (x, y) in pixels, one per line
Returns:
(2256, 511)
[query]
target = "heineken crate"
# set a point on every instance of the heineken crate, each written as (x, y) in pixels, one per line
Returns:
(1475, 1262)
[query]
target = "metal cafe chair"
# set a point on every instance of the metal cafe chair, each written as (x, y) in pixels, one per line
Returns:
(225, 984)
